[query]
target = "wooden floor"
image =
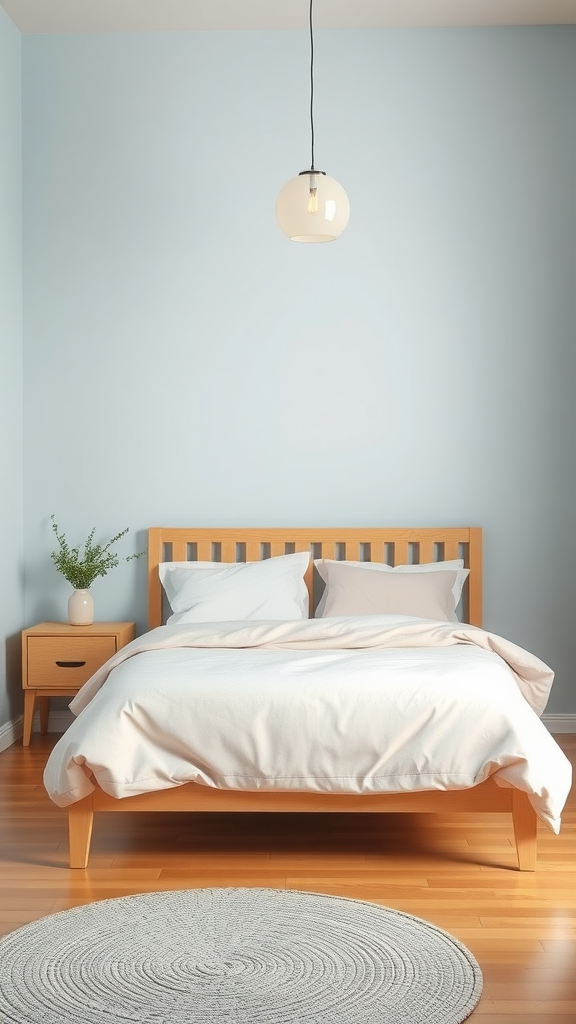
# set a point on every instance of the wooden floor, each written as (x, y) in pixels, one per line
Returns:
(520, 926)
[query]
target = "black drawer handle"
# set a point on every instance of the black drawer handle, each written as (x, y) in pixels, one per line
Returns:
(70, 664)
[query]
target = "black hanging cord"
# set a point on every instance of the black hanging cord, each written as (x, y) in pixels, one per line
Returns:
(311, 87)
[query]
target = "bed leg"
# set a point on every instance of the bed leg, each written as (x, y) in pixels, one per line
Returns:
(525, 830)
(80, 818)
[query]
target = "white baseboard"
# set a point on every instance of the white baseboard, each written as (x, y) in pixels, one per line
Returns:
(10, 733)
(60, 720)
(560, 722)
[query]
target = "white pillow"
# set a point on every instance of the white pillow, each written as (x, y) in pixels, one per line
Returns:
(455, 564)
(226, 591)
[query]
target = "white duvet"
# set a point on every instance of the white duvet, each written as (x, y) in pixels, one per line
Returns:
(372, 704)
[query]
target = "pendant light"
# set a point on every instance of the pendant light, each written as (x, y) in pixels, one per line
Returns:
(312, 207)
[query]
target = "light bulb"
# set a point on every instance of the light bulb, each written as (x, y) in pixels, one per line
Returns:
(313, 200)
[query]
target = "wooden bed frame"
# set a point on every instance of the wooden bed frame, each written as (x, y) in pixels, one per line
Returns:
(394, 546)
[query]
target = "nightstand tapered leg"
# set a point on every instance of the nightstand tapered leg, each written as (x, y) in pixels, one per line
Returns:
(44, 714)
(29, 699)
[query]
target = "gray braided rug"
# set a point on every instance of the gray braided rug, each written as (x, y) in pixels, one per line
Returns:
(235, 956)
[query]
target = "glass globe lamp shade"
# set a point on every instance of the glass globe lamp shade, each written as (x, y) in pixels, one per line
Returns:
(312, 208)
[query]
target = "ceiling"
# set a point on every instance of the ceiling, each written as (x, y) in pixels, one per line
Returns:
(173, 15)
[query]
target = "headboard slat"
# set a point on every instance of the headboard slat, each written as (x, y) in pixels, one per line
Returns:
(204, 550)
(400, 552)
(451, 549)
(228, 550)
(328, 549)
(252, 551)
(352, 550)
(426, 551)
(179, 551)
(377, 551)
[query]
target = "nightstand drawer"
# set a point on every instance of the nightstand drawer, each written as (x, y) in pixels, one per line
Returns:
(62, 661)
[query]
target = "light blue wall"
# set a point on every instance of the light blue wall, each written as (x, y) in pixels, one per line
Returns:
(186, 364)
(11, 525)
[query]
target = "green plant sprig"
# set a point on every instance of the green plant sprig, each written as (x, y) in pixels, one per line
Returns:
(96, 559)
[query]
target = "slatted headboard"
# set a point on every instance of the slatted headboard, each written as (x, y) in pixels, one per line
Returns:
(372, 544)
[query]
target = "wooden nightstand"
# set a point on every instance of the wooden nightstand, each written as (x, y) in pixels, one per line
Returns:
(57, 659)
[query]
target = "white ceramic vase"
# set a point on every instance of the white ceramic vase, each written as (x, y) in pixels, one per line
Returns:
(80, 608)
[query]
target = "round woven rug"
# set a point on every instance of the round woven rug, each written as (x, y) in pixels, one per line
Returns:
(235, 956)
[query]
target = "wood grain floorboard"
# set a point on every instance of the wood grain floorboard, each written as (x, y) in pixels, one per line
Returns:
(459, 875)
